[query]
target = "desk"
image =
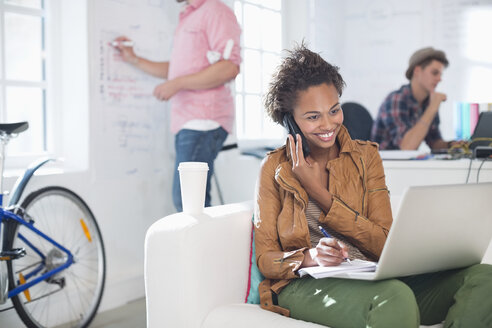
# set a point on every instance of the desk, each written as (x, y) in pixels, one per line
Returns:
(402, 174)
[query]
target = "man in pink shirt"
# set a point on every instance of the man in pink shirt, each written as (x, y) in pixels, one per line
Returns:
(205, 56)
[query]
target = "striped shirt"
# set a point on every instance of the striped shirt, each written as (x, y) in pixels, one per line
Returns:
(313, 212)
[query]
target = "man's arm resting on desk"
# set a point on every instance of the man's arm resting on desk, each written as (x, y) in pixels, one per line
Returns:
(441, 144)
(414, 137)
(409, 141)
(211, 77)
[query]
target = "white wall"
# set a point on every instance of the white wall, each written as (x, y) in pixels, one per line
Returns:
(372, 41)
(237, 173)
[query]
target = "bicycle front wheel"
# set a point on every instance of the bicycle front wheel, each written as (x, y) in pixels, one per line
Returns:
(71, 297)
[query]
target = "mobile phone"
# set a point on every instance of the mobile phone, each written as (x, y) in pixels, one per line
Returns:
(292, 127)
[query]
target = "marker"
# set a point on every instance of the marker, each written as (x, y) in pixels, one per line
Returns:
(122, 43)
(326, 234)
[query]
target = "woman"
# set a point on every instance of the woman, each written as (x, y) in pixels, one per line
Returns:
(340, 186)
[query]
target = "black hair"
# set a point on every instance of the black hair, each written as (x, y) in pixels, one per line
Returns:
(300, 70)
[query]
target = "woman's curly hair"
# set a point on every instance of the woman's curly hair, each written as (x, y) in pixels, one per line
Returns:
(300, 70)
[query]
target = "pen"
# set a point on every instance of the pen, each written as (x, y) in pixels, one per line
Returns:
(326, 234)
(122, 43)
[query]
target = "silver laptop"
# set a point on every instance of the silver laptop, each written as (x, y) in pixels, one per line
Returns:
(436, 228)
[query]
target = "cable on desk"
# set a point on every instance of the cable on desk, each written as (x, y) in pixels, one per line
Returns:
(466, 148)
(469, 169)
(480, 167)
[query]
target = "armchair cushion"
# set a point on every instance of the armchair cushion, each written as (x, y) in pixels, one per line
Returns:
(251, 315)
(254, 276)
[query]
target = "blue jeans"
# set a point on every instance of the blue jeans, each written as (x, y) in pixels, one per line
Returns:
(196, 146)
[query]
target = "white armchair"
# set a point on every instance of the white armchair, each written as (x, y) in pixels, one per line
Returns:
(196, 271)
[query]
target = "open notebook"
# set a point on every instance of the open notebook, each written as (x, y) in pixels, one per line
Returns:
(331, 271)
(436, 228)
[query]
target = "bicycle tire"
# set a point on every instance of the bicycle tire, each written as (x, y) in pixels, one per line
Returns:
(57, 212)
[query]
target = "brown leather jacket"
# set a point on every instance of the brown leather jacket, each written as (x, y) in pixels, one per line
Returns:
(360, 211)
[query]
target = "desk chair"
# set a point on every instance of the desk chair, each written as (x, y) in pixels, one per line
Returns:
(357, 120)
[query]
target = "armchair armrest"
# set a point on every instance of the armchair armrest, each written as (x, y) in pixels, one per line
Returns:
(195, 263)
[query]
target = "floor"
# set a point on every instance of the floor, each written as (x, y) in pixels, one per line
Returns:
(131, 315)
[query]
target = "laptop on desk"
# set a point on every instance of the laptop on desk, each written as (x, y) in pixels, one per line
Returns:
(436, 228)
(482, 135)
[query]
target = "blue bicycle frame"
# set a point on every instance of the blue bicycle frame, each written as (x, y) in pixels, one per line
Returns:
(7, 214)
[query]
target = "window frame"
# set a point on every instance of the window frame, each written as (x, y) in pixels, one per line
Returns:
(244, 140)
(65, 84)
(18, 159)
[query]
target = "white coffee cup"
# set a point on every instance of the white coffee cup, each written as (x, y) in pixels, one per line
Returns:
(193, 182)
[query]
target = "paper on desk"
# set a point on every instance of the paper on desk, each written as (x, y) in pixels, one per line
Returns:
(318, 272)
(401, 154)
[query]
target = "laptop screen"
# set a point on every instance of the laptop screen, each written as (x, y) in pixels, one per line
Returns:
(484, 126)
(482, 130)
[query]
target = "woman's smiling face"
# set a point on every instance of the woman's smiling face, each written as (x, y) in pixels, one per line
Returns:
(319, 115)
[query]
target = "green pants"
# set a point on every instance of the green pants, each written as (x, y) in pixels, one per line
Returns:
(460, 298)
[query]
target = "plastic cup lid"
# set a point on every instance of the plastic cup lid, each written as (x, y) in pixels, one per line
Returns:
(193, 166)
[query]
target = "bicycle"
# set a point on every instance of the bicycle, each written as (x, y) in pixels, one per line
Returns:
(52, 259)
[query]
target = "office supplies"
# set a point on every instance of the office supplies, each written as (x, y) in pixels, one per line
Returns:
(400, 154)
(465, 121)
(436, 228)
(474, 113)
(326, 234)
(123, 43)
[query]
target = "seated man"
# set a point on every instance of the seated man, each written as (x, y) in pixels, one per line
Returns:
(410, 115)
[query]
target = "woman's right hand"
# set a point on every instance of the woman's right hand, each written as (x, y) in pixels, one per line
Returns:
(305, 170)
(308, 172)
(328, 252)
(127, 53)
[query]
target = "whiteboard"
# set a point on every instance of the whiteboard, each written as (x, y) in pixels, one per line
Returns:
(129, 127)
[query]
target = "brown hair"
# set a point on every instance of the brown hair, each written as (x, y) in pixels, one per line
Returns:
(423, 57)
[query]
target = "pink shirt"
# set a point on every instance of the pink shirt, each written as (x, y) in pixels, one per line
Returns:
(205, 25)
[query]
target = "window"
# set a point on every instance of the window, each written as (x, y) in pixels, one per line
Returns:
(261, 23)
(23, 84)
